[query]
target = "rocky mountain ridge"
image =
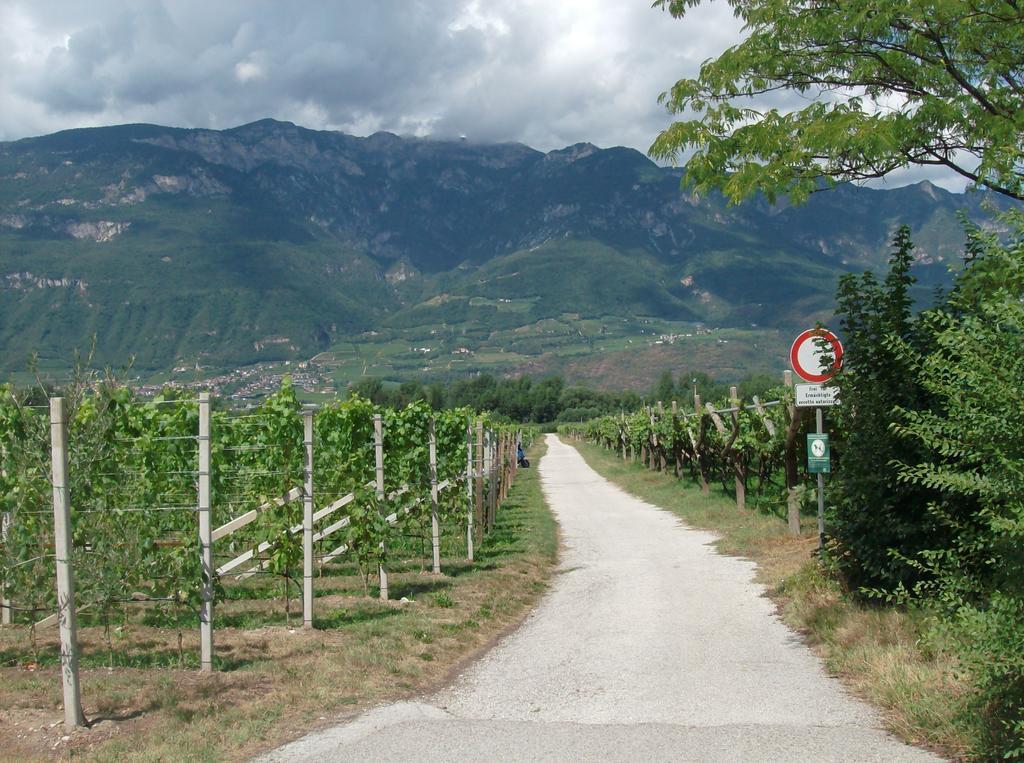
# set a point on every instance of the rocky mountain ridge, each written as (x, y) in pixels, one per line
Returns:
(270, 241)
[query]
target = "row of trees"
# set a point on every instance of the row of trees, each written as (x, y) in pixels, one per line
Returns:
(550, 399)
(521, 400)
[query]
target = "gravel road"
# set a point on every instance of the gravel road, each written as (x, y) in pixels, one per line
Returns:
(648, 646)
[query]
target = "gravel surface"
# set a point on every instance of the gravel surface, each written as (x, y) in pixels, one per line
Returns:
(649, 645)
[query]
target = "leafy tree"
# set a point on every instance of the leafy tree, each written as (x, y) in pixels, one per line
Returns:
(370, 388)
(665, 388)
(882, 84)
(707, 386)
(436, 395)
(973, 438)
(546, 393)
(873, 514)
(758, 384)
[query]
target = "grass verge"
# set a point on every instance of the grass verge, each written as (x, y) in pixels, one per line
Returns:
(277, 682)
(879, 652)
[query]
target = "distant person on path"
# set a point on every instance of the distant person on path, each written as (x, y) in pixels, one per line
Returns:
(520, 456)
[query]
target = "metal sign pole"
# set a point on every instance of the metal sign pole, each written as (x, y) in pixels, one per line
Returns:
(821, 487)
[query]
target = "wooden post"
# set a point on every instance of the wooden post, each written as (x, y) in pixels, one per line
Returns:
(469, 489)
(739, 468)
(307, 521)
(73, 715)
(435, 524)
(378, 449)
(205, 538)
(791, 465)
(479, 512)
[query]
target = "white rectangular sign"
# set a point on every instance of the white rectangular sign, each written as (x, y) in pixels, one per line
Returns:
(816, 396)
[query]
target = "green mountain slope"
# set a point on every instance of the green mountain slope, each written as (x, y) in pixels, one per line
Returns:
(271, 242)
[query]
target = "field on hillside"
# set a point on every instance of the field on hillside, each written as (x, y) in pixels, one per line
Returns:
(611, 352)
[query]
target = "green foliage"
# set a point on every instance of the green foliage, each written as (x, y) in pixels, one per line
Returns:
(250, 262)
(886, 84)
(747, 447)
(133, 489)
(871, 513)
(973, 438)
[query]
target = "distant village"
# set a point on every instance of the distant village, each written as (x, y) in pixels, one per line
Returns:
(251, 382)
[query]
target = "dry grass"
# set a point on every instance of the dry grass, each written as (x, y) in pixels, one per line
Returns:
(277, 682)
(879, 652)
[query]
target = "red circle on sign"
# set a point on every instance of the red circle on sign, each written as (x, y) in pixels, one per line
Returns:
(812, 335)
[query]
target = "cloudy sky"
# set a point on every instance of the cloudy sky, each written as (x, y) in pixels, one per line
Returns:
(544, 73)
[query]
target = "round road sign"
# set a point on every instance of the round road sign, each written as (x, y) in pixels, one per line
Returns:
(806, 355)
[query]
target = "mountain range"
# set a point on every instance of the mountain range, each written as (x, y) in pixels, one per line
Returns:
(271, 242)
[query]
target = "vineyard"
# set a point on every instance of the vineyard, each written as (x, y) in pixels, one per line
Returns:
(746, 447)
(119, 510)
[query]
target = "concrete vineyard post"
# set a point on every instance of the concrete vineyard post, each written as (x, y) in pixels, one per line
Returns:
(378, 450)
(652, 461)
(66, 617)
(506, 465)
(499, 466)
(662, 458)
(479, 473)
(307, 521)
(675, 445)
(492, 474)
(513, 446)
(739, 467)
(205, 538)
(469, 489)
(705, 487)
(503, 439)
(489, 484)
(435, 524)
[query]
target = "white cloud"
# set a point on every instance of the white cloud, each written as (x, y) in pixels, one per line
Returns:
(248, 70)
(542, 73)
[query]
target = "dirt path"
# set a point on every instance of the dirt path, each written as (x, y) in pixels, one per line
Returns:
(649, 646)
